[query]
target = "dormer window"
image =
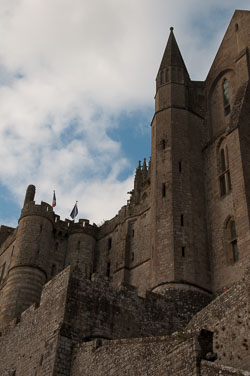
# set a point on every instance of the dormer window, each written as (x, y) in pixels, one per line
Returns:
(226, 96)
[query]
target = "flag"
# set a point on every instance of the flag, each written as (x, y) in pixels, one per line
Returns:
(74, 212)
(54, 200)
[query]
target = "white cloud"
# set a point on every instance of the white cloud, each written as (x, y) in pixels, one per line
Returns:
(67, 70)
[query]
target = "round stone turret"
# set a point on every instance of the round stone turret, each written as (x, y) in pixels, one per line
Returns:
(81, 246)
(30, 261)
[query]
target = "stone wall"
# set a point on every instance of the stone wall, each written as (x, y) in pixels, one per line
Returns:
(177, 355)
(28, 346)
(228, 316)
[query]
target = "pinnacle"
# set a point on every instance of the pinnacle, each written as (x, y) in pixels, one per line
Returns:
(172, 55)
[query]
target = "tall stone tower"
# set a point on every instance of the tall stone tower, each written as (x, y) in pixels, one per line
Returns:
(179, 243)
(226, 154)
(28, 269)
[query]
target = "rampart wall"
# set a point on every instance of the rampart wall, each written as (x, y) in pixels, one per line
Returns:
(228, 317)
(28, 346)
(177, 355)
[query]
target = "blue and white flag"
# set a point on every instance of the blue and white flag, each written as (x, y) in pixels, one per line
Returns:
(74, 212)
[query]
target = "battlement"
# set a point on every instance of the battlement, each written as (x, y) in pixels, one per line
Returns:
(42, 210)
(71, 227)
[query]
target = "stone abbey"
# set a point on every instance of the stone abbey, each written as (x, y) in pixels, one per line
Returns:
(163, 288)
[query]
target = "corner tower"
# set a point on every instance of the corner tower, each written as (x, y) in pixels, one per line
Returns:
(29, 261)
(179, 246)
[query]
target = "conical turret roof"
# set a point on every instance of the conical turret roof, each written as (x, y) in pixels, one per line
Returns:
(172, 55)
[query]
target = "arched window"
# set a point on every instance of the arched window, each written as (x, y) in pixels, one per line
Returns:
(232, 240)
(226, 96)
(225, 179)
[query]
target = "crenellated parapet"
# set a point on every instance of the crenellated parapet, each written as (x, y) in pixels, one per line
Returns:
(41, 210)
(70, 227)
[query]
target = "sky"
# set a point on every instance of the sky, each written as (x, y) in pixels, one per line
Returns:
(77, 86)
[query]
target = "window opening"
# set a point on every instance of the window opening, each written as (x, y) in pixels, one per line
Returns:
(163, 144)
(109, 243)
(225, 178)
(180, 166)
(233, 240)
(182, 220)
(108, 270)
(183, 251)
(163, 190)
(226, 96)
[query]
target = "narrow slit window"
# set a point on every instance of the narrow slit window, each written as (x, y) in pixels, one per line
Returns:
(233, 241)
(163, 190)
(163, 144)
(109, 243)
(182, 220)
(225, 178)
(226, 96)
(183, 251)
(108, 270)
(180, 166)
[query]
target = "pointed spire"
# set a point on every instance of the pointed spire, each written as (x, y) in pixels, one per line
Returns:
(172, 55)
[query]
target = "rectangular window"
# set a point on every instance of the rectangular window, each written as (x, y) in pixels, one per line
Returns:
(182, 220)
(180, 166)
(108, 270)
(109, 243)
(183, 251)
(163, 190)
